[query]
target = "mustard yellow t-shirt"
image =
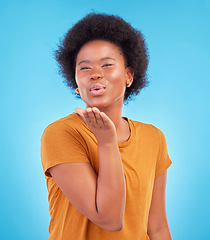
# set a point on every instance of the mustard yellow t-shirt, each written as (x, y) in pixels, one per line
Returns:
(144, 158)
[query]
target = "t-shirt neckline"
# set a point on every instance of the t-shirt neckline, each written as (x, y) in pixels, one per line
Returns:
(120, 144)
(132, 133)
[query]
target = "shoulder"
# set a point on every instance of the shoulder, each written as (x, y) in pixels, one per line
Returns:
(69, 123)
(146, 128)
(147, 132)
(69, 128)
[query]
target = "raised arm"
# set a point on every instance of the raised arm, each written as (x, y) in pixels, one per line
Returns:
(100, 198)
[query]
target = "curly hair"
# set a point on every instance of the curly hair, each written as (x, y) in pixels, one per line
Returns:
(109, 28)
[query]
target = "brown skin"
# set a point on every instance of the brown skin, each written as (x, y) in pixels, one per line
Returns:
(101, 198)
(112, 73)
(158, 228)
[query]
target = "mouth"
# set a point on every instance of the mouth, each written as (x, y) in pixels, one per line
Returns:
(97, 89)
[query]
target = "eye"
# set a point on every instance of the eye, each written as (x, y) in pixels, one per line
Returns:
(84, 68)
(107, 65)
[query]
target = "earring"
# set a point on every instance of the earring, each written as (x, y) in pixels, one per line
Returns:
(77, 90)
(128, 84)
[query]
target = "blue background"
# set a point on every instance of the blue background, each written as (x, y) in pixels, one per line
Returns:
(33, 95)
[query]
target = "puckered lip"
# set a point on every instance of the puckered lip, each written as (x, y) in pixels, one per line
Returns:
(95, 86)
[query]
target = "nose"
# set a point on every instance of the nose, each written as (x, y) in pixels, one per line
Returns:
(96, 74)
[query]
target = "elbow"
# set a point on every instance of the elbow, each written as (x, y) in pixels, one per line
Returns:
(118, 228)
(114, 227)
(110, 222)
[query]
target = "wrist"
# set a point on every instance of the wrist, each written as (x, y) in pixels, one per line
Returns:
(109, 142)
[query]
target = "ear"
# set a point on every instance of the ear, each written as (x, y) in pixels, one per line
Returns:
(129, 76)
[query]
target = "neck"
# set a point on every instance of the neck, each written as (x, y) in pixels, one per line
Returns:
(115, 115)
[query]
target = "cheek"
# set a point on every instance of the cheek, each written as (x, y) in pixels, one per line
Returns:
(80, 79)
(116, 75)
(118, 79)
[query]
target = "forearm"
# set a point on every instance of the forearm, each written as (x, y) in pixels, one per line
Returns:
(111, 187)
(162, 234)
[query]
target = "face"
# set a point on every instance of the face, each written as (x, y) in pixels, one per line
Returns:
(101, 75)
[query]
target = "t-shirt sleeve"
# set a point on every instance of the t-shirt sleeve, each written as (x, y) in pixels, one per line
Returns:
(163, 160)
(60, 143)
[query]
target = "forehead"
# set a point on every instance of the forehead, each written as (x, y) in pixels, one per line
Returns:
(99, 49)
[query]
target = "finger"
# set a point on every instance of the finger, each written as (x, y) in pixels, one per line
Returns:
(80, 112)
(90, 116)
(98, 117)
(106, 120)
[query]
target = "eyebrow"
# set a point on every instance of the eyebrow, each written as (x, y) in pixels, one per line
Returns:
(108, 58)
(87, 61)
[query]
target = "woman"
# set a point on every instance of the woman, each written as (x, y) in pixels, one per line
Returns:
(106, 174)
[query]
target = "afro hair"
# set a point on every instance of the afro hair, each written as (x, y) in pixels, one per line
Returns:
(109, 28)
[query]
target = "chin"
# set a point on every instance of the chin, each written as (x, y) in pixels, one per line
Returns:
(98, 103)
(103, 102)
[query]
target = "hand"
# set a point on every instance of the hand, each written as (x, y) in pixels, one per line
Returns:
(99, 124)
